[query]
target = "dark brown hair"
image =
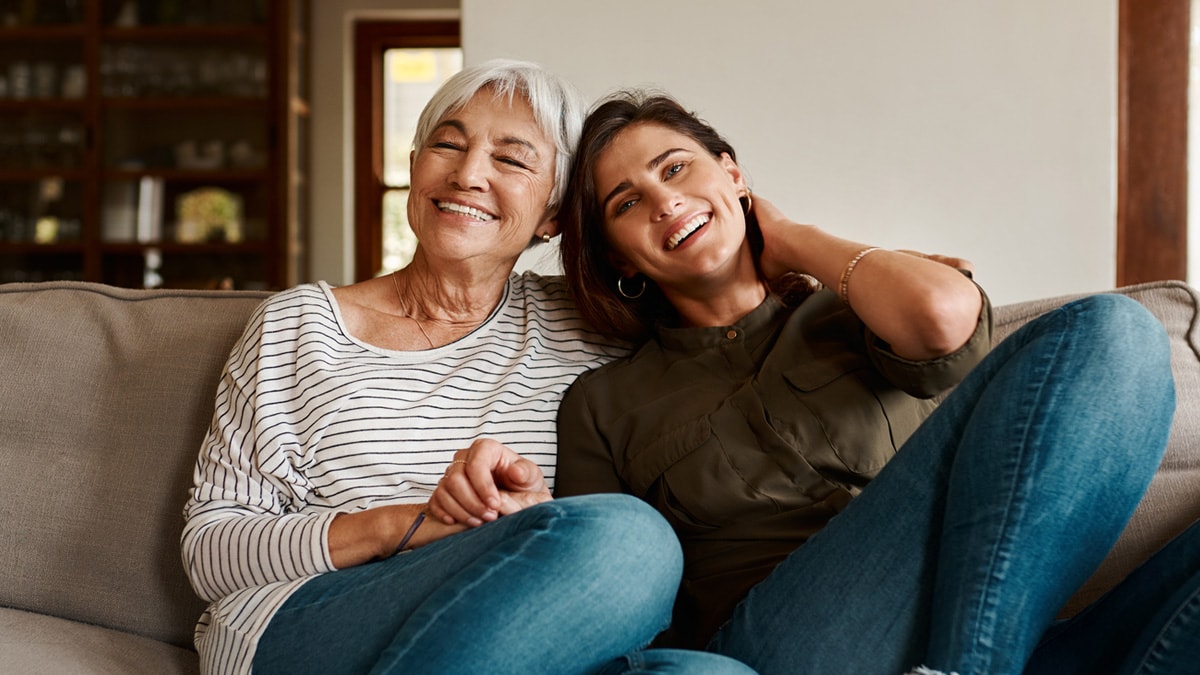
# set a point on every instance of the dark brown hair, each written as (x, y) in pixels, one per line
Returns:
(586, 252)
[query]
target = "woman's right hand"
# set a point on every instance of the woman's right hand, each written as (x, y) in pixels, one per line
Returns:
(486, 481)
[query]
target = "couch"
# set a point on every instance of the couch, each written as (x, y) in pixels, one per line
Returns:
(106, 395)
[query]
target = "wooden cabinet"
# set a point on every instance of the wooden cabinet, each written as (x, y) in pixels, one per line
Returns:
(153, 143)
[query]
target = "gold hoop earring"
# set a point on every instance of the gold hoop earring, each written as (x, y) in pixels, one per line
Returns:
(749, 202)
(626, 294)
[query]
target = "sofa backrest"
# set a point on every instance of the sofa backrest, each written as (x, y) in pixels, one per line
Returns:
(1173, 500)
(105, 398)
(106, 394)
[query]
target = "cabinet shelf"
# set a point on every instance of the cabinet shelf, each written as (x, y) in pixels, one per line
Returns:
(167, 103)
(29, 175)
(175, 247)
(43, 33)
(33, 248)
(43, 104)
(189, 175)
(192, 33)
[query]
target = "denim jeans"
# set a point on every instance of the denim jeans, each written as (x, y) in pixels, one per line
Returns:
(569, 586)
(1147, 625)
(958, 556)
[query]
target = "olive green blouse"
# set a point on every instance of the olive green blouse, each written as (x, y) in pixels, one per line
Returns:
(749, 438)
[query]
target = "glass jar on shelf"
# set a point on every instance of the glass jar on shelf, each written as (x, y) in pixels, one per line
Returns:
(42, 211)
(236, 69)
(50, 67)
(41, 140)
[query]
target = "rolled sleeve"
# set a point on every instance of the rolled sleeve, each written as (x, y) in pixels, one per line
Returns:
(926, 379)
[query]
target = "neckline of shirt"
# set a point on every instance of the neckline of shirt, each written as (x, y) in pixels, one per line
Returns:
(420, 354)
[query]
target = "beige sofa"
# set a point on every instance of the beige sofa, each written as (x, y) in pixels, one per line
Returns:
(106, 394)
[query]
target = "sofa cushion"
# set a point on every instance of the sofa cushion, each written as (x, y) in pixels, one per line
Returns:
(1173, 500)
(105, 398)
(36, 644)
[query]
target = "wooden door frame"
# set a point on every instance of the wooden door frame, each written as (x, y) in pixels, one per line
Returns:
(371, 38)
(1152, 140)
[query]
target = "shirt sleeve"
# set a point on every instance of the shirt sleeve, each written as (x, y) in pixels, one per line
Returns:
(585, 460)
(926, 379)
(241, 530)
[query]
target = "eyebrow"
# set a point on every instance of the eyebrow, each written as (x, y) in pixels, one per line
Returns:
(521, 142)
(458, 126)
(507, 140)
(651, 165)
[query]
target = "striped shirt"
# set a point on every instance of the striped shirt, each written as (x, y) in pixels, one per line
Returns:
(310, 422)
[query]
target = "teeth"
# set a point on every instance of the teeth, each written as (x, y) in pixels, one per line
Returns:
(465, 210)
(682, 234)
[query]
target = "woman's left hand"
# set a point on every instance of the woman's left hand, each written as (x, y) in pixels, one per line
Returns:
(961, 264)
(913, 301)
(486, 481)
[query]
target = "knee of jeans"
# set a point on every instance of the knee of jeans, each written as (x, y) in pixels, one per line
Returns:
(1123, 332)
(1115, 316)
(628, 533)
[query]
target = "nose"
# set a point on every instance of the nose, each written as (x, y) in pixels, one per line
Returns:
(666, 201)
(471, 172)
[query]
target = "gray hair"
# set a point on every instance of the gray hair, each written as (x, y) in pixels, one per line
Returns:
(558, 108)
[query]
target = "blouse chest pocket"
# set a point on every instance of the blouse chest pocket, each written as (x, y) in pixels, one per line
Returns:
(850, 421)
(687, 475)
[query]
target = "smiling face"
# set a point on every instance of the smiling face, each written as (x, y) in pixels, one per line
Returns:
(481, 183)
(671, 210)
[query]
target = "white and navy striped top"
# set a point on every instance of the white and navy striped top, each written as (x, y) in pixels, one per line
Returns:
(310, 422)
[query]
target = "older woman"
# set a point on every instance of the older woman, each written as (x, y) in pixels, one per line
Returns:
(831, 519)
(341, 409)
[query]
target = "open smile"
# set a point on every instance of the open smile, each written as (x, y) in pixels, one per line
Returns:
(689, 228)
(464, 210)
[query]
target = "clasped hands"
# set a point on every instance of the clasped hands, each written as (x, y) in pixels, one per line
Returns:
(484, 482)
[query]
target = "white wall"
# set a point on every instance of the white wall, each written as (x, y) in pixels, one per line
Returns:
(985, 129)
(331, 230)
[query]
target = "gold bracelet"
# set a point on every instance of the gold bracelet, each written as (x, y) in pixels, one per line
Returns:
(844, 287)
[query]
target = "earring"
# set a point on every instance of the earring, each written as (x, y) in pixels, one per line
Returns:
(545, 237)
(749, 201)
(626, 294)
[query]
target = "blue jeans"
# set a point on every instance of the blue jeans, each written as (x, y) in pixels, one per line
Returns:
(961, 552)
(1147, 625)
(570, 586)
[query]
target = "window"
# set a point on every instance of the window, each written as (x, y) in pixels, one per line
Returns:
(398, 67)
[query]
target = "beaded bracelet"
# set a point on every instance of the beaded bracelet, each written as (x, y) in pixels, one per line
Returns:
(411, 531)
(844, 287)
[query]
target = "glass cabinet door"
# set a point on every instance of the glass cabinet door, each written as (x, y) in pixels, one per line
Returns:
(184, 127)
(43, 152)
(150, 142)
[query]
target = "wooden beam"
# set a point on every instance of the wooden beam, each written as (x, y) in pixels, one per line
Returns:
(1152, 140)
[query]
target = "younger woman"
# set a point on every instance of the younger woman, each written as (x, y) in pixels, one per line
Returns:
(829, 522)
